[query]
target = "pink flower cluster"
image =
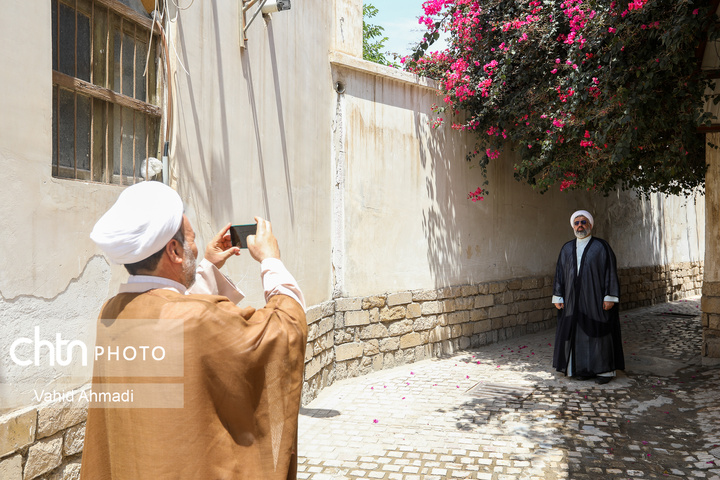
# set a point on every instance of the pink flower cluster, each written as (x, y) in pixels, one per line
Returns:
(634, 5)
(564, 96)
(569, 182)
(471, 68)
(477, 195)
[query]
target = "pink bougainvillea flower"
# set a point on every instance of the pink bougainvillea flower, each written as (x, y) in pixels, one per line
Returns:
(376, 421)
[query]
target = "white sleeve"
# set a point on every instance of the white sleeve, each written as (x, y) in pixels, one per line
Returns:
(608, 298)
(277, 280)
(557, 299)
(211, 281)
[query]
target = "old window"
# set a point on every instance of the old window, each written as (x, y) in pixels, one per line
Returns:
(106, 114)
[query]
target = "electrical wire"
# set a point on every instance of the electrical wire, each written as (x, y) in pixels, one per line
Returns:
(181, 8)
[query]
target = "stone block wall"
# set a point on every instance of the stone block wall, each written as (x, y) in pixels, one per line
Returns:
(644, 286)
(711, 323)
(44, 442)
(349, 337)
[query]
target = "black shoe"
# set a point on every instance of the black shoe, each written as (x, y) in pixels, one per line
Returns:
(603, 380)
(582, 377)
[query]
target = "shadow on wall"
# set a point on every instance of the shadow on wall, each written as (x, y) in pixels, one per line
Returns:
(629, 224)
(440, 223)
(211, 121)
(214, 174)
(658, 230)
(281, 122)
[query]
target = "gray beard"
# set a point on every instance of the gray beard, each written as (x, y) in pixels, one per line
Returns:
(189, 266)
(582, 235)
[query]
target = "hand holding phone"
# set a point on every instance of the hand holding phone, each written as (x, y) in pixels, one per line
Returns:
(263, 244)
(239, 234)
(220, 248)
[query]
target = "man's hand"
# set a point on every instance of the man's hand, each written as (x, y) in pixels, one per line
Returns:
(263, 244)
(220, 248)
(608, 305)
(559, 306)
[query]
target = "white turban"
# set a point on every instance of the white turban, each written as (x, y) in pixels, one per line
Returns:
(145, 217)
(581, 213)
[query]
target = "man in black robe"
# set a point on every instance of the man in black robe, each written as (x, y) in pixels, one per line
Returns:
(586, 291)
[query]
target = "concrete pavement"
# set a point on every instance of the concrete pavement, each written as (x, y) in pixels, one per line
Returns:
(501, 412)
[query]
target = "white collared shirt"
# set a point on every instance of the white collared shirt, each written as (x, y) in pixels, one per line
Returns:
(277, 280)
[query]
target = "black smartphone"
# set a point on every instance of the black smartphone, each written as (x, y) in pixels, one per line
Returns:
(239, 234)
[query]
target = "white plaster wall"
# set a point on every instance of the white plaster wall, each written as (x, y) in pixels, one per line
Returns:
(252, 132)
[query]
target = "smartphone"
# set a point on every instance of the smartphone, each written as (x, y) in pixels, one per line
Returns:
(239, 234)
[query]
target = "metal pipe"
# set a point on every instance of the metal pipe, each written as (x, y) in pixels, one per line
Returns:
(259, 9)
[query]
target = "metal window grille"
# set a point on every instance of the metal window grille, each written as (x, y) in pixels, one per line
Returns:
(106, 118)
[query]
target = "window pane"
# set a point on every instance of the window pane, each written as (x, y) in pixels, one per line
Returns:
(98, 127)
(140, 60)
(140, 153)
(67, 127)
(153, 125)
(128, 63)
(100, 32)
(127, 141)
(55, 127)
(54, 34)
(83, 133)
(66, 47)
(83, 48)
(116, 143)
(89, 133)
(116, 61)
(151, 74)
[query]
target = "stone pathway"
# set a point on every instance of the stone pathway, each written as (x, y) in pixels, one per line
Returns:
(501, 412)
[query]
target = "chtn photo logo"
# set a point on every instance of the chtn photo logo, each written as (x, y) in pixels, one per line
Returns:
(62, 351)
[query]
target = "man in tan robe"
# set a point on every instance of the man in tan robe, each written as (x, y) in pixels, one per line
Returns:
(242, 369)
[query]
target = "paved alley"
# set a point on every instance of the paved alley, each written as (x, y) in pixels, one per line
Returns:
(501, 412)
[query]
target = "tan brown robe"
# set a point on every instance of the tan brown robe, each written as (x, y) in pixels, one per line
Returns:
(242, 380)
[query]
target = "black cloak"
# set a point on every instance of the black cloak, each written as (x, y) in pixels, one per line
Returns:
(586, 333)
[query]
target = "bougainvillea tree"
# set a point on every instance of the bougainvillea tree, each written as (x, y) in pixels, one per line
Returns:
(595, 94)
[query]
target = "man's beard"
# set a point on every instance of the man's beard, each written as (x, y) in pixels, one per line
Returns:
(188, 266)
(582, 234)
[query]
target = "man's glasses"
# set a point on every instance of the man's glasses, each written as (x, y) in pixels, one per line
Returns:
(580, 222)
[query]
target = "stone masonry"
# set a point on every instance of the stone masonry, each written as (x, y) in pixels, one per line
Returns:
(45, 441)
(645, 286)
(349, 337)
